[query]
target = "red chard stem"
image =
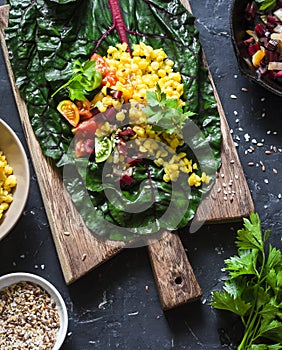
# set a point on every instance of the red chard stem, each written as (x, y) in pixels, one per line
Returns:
(119, 22)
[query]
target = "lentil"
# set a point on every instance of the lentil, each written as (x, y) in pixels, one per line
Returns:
(29, 318)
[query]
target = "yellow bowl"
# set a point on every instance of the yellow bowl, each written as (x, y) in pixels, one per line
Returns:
(12, 148)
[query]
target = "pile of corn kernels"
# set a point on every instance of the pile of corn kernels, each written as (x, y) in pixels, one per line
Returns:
(138, 73)
(7, 183)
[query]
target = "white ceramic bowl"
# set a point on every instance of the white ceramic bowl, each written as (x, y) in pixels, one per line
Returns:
(16, 277)
(12, 148)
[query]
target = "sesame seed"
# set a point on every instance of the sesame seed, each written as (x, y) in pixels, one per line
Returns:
(275, 171)
(266, 181)
(267, 152)
(83, 257)
(251, 163)
(244, 89)
(259, 144)
(233, 97)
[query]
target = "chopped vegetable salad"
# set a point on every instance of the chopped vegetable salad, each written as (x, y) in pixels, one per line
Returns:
(135, 113)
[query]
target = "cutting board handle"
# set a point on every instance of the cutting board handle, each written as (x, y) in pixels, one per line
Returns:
(174, 276)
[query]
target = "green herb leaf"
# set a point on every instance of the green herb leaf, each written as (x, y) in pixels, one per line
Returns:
(250, 237)
(253, 288)
(84, 79)
(265, 4)
(244, 264)
(225, 301)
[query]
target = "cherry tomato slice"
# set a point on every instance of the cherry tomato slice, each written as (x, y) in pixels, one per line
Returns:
(108, 74)
(69, 110)
(86, 129)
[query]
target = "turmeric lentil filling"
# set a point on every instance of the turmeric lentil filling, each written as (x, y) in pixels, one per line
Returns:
(147, 69)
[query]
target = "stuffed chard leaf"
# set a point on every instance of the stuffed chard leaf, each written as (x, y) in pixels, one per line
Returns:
(44, 38)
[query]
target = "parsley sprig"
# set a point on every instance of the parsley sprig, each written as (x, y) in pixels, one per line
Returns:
(265, 4)
(84, 79)
(165, 113)
(253, 290)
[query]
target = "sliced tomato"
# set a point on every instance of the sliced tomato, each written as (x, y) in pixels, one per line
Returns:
(84, 109)
(69, 110)
(86, 129)
(108, 74)
(110, 78)
(84, 147)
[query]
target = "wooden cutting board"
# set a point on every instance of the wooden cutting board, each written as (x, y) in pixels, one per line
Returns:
(79, 251)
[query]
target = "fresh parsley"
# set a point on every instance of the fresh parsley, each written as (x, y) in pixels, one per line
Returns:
(265, 4)
(164, 113)
(253, 290)
(84, 79)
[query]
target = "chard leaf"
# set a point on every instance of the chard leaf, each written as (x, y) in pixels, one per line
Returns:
(45, 37)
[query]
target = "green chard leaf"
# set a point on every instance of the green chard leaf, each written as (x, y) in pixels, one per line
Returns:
(45, 37)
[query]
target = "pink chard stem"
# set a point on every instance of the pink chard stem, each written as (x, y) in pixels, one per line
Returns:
(119, 22)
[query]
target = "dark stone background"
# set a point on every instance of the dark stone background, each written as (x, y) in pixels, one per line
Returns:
(110, 308)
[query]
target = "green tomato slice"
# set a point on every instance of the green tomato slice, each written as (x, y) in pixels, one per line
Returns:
(103, 149)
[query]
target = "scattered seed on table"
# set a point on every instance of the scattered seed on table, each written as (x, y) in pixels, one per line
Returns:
(267, 152)
(274, 149)
(266, 181)
(259, 144)
(233, 97)
(244, 89)
(275, 171)
(83, 257)
(251, 164)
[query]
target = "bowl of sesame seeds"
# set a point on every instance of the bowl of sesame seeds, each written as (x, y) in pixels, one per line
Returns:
(33, 314)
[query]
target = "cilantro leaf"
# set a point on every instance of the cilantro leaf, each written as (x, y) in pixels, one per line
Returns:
(253, 289)
(265, 4)
(165, 112)
(244, 264)
(250, 236)
(225, 301)
(84, 79)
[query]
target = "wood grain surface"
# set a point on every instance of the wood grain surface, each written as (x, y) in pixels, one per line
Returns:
(79, 251)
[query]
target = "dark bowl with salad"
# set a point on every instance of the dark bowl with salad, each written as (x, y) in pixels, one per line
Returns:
(256, 29)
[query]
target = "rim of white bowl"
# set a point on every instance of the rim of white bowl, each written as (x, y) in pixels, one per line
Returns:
(16, 277)
(25, 190)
